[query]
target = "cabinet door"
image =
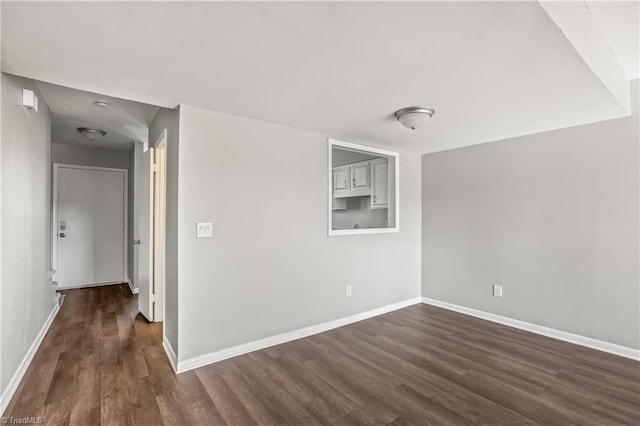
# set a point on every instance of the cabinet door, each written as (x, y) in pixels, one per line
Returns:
(341, 178)
(380, 187)
(360, 175)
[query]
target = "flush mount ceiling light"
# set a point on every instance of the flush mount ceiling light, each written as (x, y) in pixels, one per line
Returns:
(414, 117)
(102, 104)
(91, 134)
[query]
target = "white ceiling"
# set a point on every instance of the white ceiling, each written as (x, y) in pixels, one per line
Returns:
(618, 22)
(491, 70)
(124, 121)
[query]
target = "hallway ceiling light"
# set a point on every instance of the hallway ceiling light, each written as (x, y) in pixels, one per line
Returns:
(91, 134)
(414, 117)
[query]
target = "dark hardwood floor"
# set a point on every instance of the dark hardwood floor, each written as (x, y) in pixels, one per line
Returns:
(101, 363)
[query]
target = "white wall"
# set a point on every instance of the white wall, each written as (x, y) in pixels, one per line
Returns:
(89, 156)
(342, 157)
(27, 298)
(270, 266)
(553, 217)
(359, 212)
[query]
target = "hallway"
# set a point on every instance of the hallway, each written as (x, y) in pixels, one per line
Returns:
(101, 362)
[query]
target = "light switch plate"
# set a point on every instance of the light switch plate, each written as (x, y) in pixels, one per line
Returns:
(204, 230)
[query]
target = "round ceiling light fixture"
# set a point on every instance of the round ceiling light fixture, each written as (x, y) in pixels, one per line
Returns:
(102, 104)
(414, 117)
(91, 134)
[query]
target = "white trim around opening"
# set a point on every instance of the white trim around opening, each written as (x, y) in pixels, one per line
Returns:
(350, 146)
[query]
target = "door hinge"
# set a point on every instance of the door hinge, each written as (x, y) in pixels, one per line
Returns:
(153, 298)
(154, 168)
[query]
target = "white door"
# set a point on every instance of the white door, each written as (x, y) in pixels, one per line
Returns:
(137, 154)
(144, 240)
(90, 234)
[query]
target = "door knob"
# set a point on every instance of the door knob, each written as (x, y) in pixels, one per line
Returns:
(136, 241)
(62, 235)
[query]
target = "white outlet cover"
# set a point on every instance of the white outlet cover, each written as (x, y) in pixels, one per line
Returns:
(204, 230)
(497, 290)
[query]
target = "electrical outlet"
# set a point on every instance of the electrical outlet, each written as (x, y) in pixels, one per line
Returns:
(348, 291)
(497, 290)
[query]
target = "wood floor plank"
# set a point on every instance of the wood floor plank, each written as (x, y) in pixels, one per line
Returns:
(102, 363)
(257, 404)
(142, 401)
(115, 407)
(298, 389)
(64, 378)
(203, 412)
(227, 402)
(171, 410)
(339, 402)
(280, 398)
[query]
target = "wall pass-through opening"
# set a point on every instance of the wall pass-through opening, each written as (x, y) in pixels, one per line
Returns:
(363, 189)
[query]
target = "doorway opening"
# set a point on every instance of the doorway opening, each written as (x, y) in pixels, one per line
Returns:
(107, 213)
(89, 225)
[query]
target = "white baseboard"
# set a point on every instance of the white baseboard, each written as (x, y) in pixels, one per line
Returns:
(173, 359)
(538, 329)
(7, 394)
(134, 290)
(212, 357)
(75, 287)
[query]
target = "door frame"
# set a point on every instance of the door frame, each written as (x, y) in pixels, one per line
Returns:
(160, 229)
(54, 217)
